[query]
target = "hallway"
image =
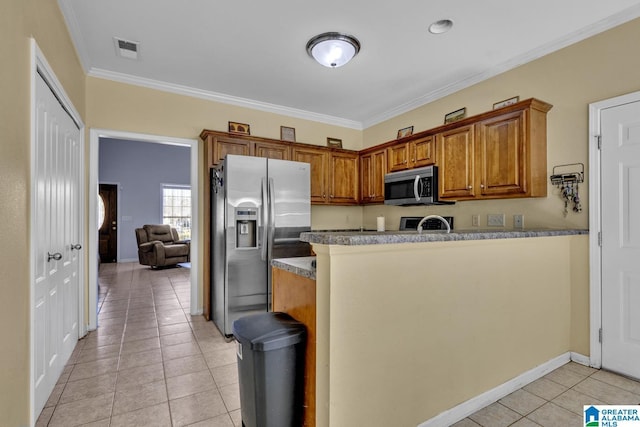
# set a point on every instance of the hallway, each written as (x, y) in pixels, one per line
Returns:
(149, 362)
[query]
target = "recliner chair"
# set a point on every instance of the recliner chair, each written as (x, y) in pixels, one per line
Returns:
(160, 246)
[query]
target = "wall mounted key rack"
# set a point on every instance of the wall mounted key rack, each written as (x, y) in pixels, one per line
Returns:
(567, 178)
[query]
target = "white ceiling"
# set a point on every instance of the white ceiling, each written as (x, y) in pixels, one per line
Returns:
(252, 53)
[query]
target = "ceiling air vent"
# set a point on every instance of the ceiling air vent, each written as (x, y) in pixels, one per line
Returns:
(126, 48)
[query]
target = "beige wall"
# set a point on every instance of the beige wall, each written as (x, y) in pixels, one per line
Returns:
(20, 20)
(118, 106)
(422, 335)
(600, 67)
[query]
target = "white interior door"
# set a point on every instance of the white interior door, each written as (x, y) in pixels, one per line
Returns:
(620, 183)
(56, 214)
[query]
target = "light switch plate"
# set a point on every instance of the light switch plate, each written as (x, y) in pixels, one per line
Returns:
(495, 220)
(475, 220)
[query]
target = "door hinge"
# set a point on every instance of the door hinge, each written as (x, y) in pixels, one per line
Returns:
(599, 138)
(600, 335)
(600, 238)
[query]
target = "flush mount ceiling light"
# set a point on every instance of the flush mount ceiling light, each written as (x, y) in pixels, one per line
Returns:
(441, 26)
(333, 49)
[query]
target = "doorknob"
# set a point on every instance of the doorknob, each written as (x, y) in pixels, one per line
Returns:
(77, 246)
(57, 256)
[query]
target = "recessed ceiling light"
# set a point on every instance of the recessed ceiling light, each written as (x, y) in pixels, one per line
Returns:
(441, 26)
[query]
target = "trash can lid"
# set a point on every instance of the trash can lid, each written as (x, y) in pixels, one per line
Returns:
(268, 331)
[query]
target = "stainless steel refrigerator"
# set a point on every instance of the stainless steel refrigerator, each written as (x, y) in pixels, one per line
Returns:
(259, 207)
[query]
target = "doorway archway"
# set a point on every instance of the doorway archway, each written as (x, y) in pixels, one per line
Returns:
(196, 268)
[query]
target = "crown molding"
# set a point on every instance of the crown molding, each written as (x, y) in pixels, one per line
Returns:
(75, 33)
(620, 18)
(223, 98)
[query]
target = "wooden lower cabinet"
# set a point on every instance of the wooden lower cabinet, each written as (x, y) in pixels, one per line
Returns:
(296, 296)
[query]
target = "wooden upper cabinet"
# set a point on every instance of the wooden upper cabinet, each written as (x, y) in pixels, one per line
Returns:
(456, 162)
(373, 167)
(411, 154)
(334, 174)
(502, 155)
(318, 160)
(424, 150)
(272, 150)
(343, 177)
(219, 144)
(398, 157)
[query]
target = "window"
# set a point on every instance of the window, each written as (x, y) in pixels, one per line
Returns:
(176, 209)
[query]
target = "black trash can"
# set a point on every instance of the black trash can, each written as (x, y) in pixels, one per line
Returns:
(271, 369)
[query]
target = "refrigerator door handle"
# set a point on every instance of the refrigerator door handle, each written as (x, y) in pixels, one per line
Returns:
(272, 218)
(265, 220)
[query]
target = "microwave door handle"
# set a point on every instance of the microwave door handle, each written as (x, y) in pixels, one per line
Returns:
(265, 220)
(416, 182)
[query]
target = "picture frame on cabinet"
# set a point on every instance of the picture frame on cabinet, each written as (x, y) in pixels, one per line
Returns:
(287, 134)
(404, 132)
(334, 142)
(239, 128)
(506, 102)
(454, 116)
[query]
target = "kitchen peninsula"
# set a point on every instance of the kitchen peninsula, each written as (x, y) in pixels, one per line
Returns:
(409, 326)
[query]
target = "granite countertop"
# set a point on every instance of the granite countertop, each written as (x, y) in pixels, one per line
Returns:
(353, 238)
(302, 266)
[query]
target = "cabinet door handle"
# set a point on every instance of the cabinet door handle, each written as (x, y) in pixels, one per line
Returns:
(470, 187)
(77, 247)
(481, 185)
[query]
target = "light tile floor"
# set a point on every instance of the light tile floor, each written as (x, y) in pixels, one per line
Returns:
(152, 364)
(557, 399)
(149, 363)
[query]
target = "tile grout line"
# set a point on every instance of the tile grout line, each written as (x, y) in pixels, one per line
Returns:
(124, 329)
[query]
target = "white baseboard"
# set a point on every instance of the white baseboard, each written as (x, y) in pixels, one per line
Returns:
(581, 359)
(457, 413)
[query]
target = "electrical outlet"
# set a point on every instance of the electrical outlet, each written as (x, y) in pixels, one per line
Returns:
(495, 220)
(475, 220)
(518, 221)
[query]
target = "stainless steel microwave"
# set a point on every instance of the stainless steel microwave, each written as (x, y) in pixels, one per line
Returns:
(412, 187)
